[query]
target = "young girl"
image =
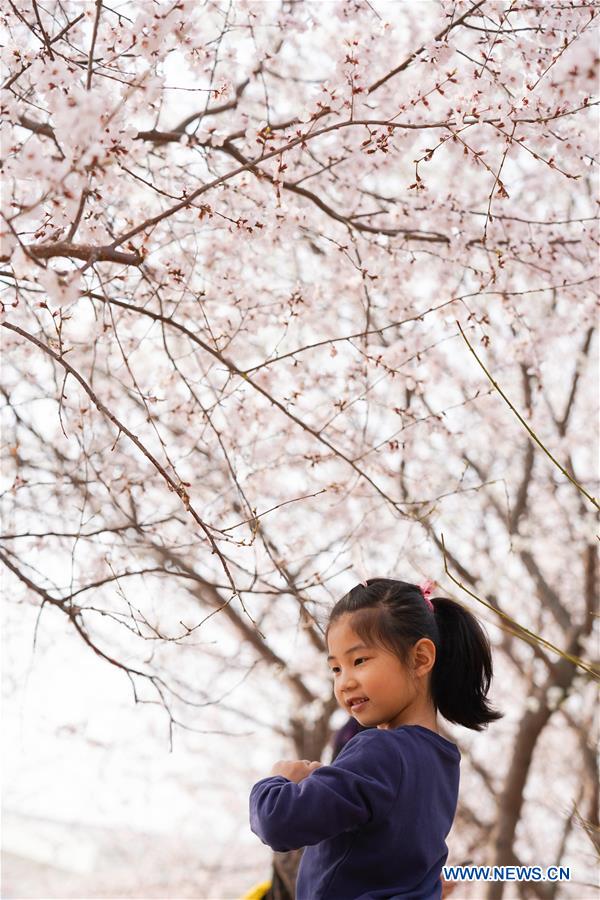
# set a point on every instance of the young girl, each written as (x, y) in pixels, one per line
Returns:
(375, 821)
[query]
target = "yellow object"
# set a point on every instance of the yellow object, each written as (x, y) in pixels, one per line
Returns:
(258, 891)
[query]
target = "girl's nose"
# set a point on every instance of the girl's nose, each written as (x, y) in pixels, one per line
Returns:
(347, 682)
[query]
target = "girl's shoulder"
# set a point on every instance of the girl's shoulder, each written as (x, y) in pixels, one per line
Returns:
(404, 736)
(410, 741)
(418, 735)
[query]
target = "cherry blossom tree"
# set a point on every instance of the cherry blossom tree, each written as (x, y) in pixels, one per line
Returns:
(296, 294)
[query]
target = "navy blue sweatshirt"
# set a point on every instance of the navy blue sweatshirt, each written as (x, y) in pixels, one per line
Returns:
(374, 822)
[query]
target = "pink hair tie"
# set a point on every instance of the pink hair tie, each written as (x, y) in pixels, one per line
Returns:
(427, 588)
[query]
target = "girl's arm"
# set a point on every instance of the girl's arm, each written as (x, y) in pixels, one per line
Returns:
(359, 787)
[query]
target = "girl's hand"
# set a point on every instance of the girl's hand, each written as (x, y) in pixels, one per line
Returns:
(295, 769)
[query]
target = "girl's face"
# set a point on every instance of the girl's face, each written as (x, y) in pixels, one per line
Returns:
(393, 693)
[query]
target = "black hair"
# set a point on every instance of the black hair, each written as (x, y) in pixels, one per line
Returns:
(395, 615)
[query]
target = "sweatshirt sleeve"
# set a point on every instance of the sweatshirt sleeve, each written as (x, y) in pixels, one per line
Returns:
(358, 788)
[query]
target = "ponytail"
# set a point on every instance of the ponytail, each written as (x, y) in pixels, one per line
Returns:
(396, 614)
(462, 674)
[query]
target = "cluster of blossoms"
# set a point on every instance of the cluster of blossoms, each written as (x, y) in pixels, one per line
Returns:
(260, 256)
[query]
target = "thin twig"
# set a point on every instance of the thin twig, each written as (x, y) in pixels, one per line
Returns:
(527, 427)
(88, 83)
(520, 630)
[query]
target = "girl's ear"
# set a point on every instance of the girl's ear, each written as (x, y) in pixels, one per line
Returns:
(423, 656)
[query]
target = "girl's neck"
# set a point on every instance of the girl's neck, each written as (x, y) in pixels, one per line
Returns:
(431, 726)
(422, 712)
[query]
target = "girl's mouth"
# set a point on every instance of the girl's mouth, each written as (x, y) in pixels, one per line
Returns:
(356, 706)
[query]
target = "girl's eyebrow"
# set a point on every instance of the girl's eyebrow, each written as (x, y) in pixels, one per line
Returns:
(348, 652)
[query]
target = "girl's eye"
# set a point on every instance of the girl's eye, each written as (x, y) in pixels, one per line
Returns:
(336, 669)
